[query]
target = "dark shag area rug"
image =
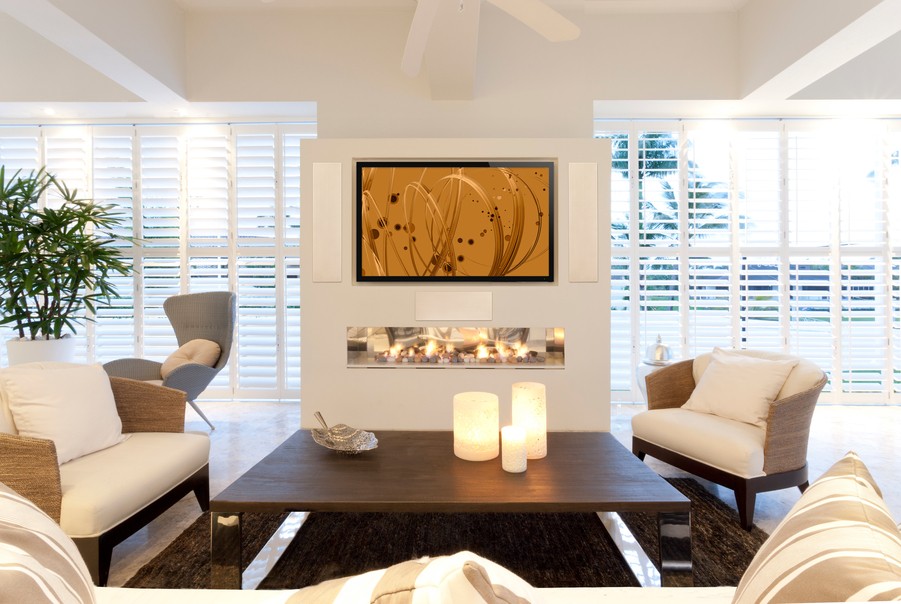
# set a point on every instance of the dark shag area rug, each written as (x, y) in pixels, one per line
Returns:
(547, 550)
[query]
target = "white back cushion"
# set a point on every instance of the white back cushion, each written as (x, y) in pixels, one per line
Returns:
(70, 404)
(739, 387)
(802, 377)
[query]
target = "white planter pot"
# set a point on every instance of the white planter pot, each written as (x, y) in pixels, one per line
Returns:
(20, 351)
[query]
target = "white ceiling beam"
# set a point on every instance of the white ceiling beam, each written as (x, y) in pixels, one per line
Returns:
(51, 22)
(860, 35)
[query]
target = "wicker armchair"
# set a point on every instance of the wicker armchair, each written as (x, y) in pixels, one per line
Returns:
(101, 486)
(208, 316)
(745, 458)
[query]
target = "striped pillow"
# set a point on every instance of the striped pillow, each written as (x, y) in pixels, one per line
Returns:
(463, 577)
(38, 561)
(838, 543)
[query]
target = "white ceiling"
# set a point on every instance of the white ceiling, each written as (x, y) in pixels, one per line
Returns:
(589, 6)
(209, 58)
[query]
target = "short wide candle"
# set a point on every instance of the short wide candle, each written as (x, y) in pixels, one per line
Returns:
(513, 449)
(530, 412)
(476, 426)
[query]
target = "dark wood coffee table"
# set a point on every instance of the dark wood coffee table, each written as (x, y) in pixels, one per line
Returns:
(418, 472)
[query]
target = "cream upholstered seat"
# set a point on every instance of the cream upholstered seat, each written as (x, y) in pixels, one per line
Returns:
(102, 497)
(758, 454)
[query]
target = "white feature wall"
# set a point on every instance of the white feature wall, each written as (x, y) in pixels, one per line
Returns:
(421, 399)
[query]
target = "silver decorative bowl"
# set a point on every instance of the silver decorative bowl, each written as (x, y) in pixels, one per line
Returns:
(343, 438)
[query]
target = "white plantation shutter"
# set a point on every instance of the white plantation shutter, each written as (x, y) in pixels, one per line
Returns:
(896, 325)
(810, 298)
(758, 182)
(773, 235)
(863, 300)
(661, 302)
(813, 188)
(761, 302)
(621, 360)
(113, 183)
(67, 155)
(255, 188)
(208, 188)
(292, 319)
(258, 334)
(709, 196)
(216, 207)
(161, 278)
(658, 200)
(160, 176)
(710, 303)
(291, 188)
(20, 149)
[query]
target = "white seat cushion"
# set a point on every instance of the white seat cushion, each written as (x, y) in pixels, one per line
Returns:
(104, 488)
(735, 447)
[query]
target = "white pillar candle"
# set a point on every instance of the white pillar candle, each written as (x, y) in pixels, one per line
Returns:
(513, 449)
(530, 412)
(476, 426)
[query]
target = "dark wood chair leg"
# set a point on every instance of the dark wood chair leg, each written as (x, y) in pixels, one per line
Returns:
(201, 490)
(637, 452)
(745, 499)
(97, 557)
(803, 487)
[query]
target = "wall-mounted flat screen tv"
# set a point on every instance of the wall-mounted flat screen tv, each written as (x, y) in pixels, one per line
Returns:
(446, 221)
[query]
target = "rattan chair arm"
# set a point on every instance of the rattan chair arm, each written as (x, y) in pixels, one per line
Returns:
(788, 430)
(30, 467)
(670, 386)
(145, 407)
(135, 369)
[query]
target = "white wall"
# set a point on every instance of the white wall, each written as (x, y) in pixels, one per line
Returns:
(403, 398)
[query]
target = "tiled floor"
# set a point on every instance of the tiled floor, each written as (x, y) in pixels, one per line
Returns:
(245, 432)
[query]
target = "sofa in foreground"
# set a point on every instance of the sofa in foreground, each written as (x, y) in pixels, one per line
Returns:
(838, 543)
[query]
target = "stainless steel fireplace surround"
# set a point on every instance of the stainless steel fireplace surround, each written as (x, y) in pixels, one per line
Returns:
(456, 347)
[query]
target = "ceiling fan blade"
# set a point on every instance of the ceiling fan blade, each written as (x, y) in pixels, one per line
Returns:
(540, 17)
(418, 36)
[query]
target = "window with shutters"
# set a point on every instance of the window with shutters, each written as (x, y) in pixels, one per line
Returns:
(215, 207)
(776, 235)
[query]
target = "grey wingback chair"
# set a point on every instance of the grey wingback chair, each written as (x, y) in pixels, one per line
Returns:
(207, 316)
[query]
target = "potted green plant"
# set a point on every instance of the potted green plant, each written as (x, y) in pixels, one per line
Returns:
(57, 262)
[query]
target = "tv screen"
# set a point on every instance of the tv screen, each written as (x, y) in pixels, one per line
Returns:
(455, 220)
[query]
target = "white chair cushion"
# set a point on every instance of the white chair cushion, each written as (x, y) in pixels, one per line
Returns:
(804, 375)
(739, 387)
(735, 447)
(102, 489)
(70, 404)
(200, 351)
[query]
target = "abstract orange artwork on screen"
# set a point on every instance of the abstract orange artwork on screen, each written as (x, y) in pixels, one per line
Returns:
(463, 221)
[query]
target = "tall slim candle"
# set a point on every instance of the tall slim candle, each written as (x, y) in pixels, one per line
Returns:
(513, 449)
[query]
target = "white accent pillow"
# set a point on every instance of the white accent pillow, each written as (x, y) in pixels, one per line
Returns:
(739, 387)
(200, 351)
(70, 404)
(462, 577)
(38, 562)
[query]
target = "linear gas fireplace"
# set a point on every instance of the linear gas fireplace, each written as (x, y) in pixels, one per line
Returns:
(456, 347)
